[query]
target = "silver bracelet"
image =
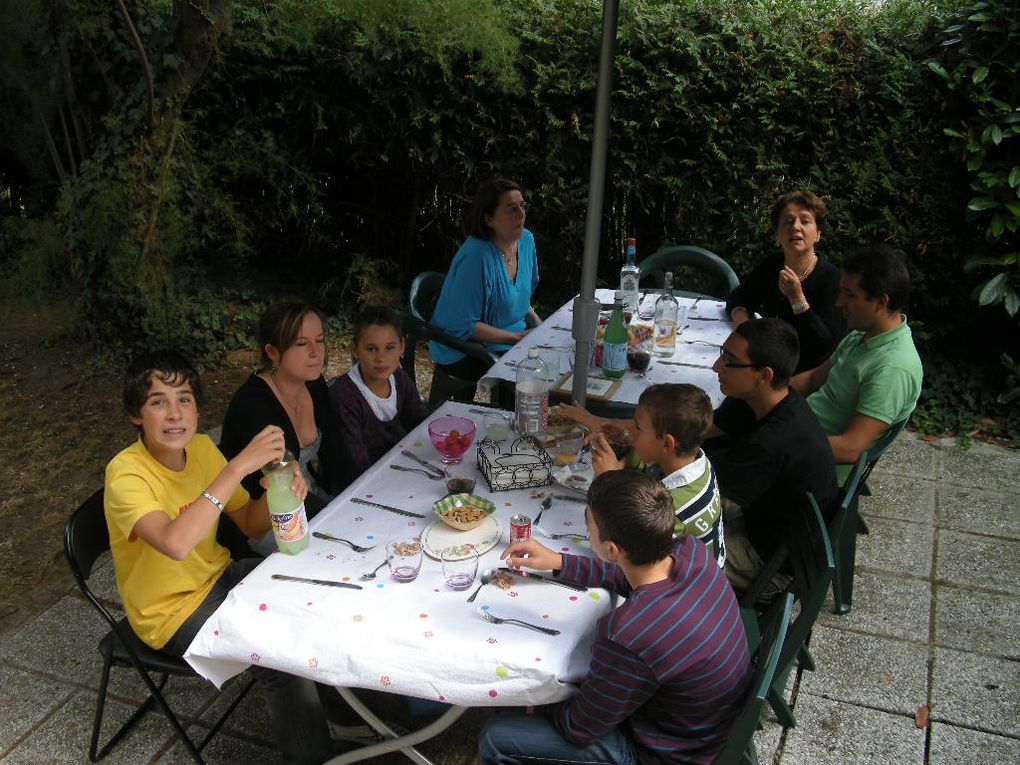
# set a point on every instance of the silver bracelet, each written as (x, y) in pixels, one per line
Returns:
(213, 499)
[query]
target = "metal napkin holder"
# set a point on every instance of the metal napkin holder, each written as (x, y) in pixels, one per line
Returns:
(523, 465)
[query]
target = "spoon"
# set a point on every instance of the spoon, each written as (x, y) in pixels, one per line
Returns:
(486, 578)
(371, 574)
(546, 503)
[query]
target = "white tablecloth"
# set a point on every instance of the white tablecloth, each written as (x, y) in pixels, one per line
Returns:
(698, 345)
(418, 639)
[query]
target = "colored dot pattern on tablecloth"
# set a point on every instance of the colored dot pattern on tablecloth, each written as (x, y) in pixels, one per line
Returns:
(573, 597)
(385, 680)
(594, 595)
(255, 658)
(427, 633)
(381, 585)
(423, 616)
(492, 641)
(345, 579)
(262, 606)
(313, 663)
(370, 536)
(502, 672)
(357, 617)
(565, 549)
(492, 693)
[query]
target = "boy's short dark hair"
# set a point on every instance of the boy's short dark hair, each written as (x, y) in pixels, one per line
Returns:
(772, 343)
(170, 366)
(883, 271)
(682, 410)
(636, 512)
(377, 315)
(280, 326)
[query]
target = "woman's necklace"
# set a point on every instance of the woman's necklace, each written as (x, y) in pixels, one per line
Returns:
(507, 256)
(811, 267)
(296, 406)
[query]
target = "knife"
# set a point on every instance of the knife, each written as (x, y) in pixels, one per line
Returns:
(396, 510)
(422, 462)
(323, 582)
(684, 364)
(568, 498)
(537, 578)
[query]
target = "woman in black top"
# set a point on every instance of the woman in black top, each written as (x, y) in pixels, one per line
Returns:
(289, 391)
(798, 286)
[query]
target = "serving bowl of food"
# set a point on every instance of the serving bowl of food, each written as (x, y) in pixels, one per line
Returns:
(463, 511)
(452, 437)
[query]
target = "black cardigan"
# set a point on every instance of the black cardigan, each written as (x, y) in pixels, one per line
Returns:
(819, 329)
(255, 406)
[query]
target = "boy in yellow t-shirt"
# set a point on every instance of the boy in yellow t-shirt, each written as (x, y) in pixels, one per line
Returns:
(164, 498)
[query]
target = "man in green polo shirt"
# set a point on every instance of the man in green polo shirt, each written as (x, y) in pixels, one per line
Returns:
(873, 378)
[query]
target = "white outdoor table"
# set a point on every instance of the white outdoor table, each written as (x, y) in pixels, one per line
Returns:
(419, 638)
(697, 348)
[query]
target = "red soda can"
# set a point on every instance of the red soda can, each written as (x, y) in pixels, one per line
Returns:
(520, 528)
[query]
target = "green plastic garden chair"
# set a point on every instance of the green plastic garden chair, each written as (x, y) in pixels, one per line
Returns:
(701, 268)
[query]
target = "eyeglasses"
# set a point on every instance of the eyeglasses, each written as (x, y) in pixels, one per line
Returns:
(516, 209)
(729, 361)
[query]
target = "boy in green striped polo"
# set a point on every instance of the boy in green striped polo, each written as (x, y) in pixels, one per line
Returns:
(669, 425)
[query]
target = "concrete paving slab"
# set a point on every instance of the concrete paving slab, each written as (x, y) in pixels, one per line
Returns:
(961, 746)
(64, 737)
(885, 605)
(955, 508)
(103, 581)
(224, 749)
(969, 560)
(976, 691)
(249, 719)
(834, 733)
(982, 466)
(61, 641)
(977, 622)
(887, 674)
(27, 699)
(909, 455)
(896, 547)
(905, 499)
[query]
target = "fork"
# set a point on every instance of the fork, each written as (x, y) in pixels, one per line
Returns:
(433, 476)
(549, 535)
(491, 617)
(349, 543)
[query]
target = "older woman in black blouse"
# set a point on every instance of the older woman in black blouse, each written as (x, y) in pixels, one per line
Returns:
(797, 285)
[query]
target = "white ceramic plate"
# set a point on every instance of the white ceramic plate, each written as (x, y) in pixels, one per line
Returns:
(579, 479)
(484, 537)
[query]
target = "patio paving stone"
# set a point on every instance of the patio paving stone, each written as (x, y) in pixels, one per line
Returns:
(833, 733)
(905, 499)
(951, 745)
(897, 547)
(976, 691)
(970, 560)
(876, 596)
(982, 466)
(978, 622)
(26, 700)
(908, 456)
(999, 513)
(861, 669)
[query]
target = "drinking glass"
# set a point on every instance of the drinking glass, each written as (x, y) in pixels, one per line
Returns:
(460, 565)
(497, 427)
(639, 357)
(404, 557)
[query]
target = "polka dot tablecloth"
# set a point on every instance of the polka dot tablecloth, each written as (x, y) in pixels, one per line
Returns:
(417, 638)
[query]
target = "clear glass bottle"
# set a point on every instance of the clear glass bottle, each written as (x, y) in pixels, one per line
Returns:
(286, 510)
(614, 344)
(629, 279)
(531, 407)
(666, 309)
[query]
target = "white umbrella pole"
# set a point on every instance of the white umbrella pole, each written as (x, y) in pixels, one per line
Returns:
(586, 308)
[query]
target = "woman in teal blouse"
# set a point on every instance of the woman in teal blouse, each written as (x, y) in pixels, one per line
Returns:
(487, 294)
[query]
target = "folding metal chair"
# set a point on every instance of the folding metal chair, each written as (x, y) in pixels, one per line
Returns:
(86, 537)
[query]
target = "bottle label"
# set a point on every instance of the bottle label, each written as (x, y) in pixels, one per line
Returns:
(290, 527)
(614, 357)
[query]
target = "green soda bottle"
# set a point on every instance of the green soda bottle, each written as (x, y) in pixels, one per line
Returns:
(286, 510)
(614, 346)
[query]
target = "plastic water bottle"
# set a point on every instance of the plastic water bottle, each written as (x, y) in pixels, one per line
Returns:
(666, 309)
(629, 279)
(286, 510)
(531, 408)
(614, 344)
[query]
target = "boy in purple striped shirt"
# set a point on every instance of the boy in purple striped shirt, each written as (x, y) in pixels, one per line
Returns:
(669, 668)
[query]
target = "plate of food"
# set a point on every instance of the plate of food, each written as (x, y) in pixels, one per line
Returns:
(482, 538)
(577, 476)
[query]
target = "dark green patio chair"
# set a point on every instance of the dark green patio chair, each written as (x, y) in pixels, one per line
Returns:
(739, 749)
(808, 556)
(710, 275)
(848, 522)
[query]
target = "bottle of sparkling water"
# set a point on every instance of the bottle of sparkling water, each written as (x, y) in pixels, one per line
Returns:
(286, 510)
(666, 309)
(614, 345)
(531, 407)
(629, 279)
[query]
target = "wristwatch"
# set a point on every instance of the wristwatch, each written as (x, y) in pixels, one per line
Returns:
(799, 307)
